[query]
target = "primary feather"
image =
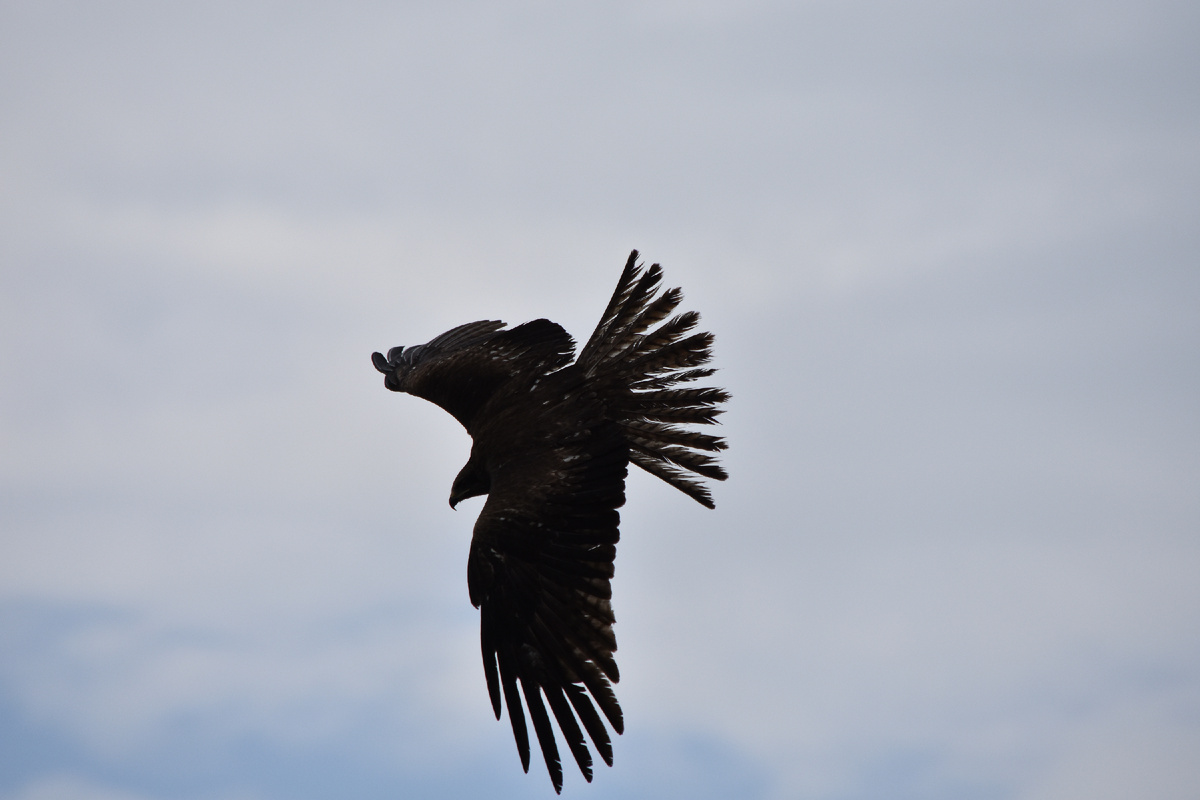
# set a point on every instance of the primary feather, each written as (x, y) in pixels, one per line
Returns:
(551, 443)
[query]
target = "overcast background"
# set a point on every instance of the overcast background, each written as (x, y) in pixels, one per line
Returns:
(951, 256)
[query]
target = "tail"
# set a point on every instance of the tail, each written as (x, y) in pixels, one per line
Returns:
(642, 370)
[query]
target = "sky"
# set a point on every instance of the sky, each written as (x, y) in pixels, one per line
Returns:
(951, 258)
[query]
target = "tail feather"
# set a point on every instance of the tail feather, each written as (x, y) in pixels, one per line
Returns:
(699, 463)
(674, 476)
(656, 434)
(696, 416)
(665, 381)
(669, 333)
(707, 397)
(641, 369)
(619, 298)
(628, 301)
(690, 352)
(656, 312)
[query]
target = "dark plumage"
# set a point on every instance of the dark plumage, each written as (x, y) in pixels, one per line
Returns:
(551, 443)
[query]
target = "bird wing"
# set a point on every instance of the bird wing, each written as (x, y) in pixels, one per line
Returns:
(539, 569)
(462, 369)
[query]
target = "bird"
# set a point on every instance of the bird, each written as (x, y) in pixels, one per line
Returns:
(552, 437)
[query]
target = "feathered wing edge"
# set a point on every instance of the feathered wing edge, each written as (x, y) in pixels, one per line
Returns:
(541, 579)
(513, 672)
(643, 369)
(460, 369)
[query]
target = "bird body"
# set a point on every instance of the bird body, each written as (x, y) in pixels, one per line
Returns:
(551, 444)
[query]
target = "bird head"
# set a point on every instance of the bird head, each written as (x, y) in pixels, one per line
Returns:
(472, 481)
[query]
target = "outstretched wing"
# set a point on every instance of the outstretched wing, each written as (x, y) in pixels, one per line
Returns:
(552, 443)
(462, 369)
(539, 569)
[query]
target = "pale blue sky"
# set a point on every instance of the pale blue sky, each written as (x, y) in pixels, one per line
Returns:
(949, 251)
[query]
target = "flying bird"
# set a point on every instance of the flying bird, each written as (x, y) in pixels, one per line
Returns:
(551, 442)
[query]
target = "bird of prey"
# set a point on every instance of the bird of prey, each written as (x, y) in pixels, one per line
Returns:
(551, 441)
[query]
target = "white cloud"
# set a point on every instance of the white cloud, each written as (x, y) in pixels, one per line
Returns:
(71, 788)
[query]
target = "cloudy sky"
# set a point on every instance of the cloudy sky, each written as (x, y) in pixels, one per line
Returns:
(951, 257)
